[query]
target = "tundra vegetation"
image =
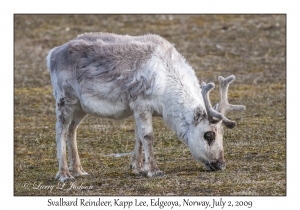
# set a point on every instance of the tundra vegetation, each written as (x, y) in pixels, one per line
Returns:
(252, 47)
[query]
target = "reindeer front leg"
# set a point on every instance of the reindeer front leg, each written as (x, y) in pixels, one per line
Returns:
(137, 160)
(144, 130)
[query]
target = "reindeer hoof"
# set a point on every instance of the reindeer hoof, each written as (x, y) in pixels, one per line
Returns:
(81, 173)
(63, 177)
(155, 173)
(78, 171)
(144, 173)
(136, 170)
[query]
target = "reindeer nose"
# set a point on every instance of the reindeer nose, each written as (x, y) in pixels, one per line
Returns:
(217, 165)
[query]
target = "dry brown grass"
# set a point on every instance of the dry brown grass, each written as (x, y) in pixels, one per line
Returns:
(252, 47)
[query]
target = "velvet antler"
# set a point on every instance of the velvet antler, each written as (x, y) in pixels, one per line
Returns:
(217, 113)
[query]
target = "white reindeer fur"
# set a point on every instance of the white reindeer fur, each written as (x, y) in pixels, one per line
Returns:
(116, 76)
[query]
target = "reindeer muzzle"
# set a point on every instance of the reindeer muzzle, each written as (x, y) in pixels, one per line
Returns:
(215, 166)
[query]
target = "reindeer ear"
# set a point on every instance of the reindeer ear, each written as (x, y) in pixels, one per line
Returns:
(199, 114)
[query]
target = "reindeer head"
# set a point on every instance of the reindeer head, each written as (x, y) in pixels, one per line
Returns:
(206, 139)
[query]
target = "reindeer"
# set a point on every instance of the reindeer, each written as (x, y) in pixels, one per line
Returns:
(117, 76)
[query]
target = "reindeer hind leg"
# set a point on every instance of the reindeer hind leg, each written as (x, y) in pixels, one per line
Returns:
(75, 164)
(63, 114)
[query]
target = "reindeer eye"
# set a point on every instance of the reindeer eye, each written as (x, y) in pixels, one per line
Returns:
(209, 137)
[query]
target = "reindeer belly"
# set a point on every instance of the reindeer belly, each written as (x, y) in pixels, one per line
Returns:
(104, 108)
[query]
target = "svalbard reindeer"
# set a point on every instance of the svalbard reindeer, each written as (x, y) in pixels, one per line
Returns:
(116, 76)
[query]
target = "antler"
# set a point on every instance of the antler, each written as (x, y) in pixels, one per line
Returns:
(223, 105)
(206, 88)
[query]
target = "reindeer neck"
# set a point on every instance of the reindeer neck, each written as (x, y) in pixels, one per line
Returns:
(182, 96)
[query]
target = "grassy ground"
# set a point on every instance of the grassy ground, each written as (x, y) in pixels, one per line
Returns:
(252, 47)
